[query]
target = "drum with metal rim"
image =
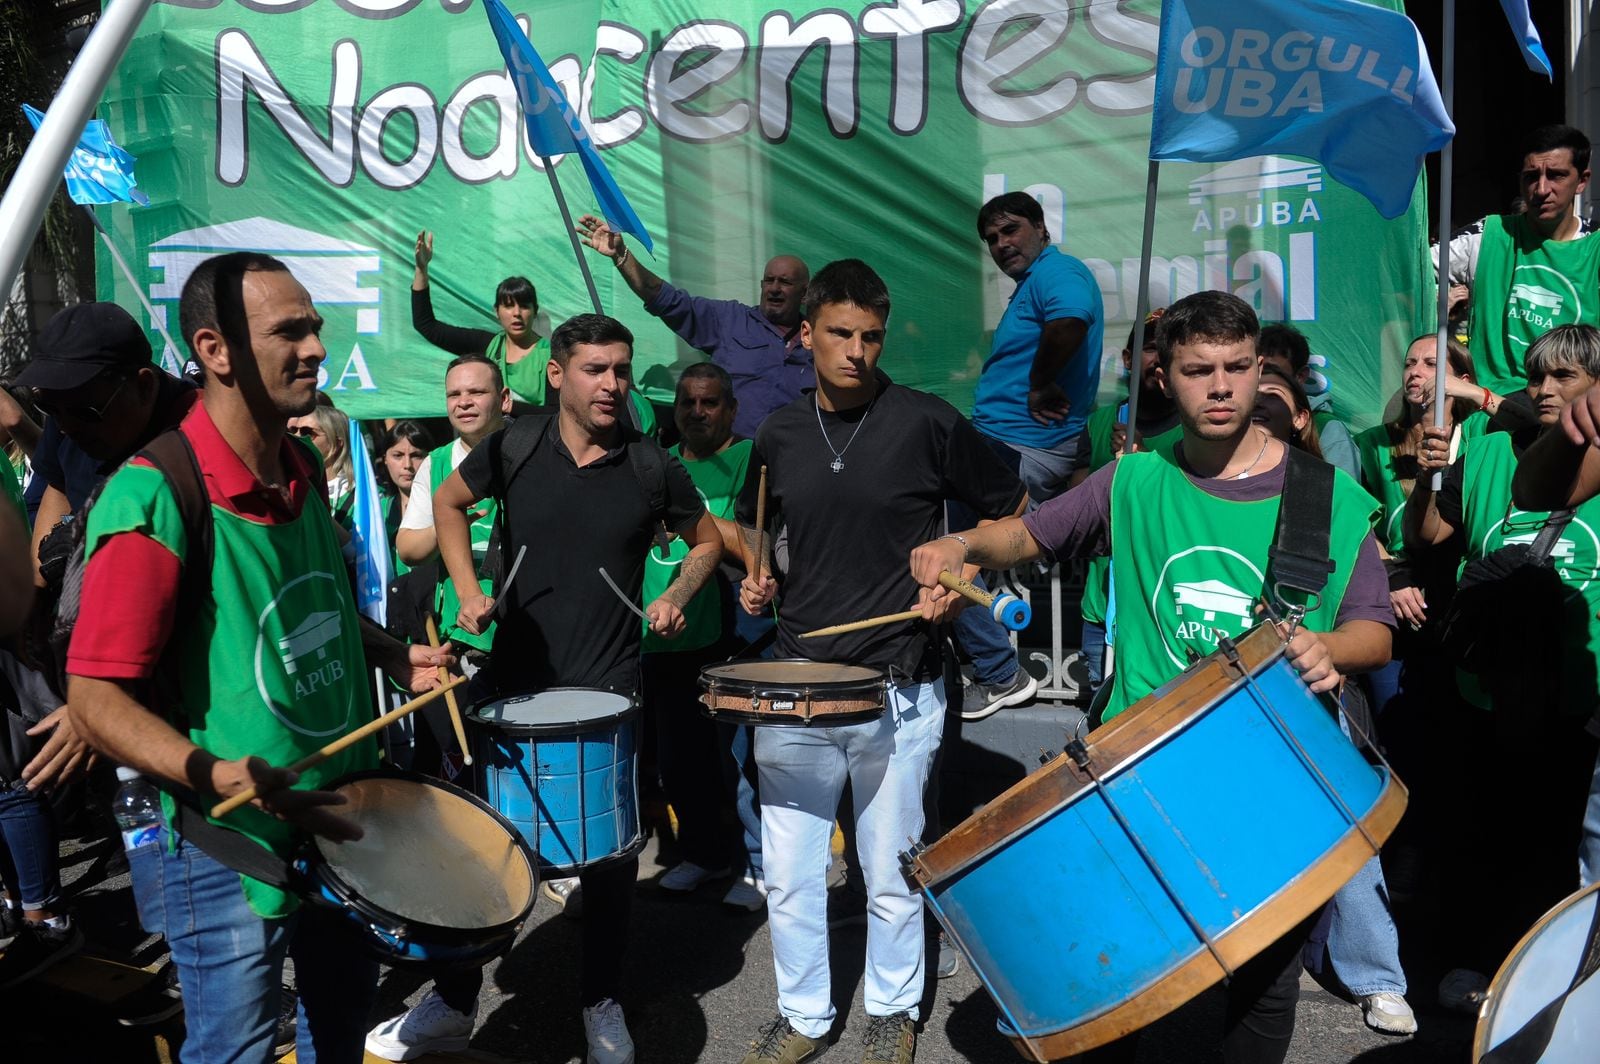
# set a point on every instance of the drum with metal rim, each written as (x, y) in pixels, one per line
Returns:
(437, 876)
(792, 691)
(1544, 1004)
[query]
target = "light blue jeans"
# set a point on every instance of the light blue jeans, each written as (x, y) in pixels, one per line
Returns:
(1589, 849)
(230, 962)
(802, 774)
(1363, 945)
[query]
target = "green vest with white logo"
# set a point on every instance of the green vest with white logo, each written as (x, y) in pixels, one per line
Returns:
(1191, 568)
(446, 603)
(1101, 423)
(1490, 521)
(271, 664)
(1525, 286)
(1383, 476)
(718, 480)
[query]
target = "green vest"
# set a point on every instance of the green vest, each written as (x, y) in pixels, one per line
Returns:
(527, 381)
(1384, 481)
(1525, 286)
(11, 489)
(271, 664)
(1102, 422)
(1490, 521)
(1191, 568)
(446, 603)
(718, 479)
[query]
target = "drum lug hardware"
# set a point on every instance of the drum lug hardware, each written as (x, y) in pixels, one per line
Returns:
(1078, 750)
(1045, 756)
(910, 857)
(1231, 651)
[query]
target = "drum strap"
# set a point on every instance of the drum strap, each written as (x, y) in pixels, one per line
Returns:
(1528, 1044)
(1300, 556)
(223, 845)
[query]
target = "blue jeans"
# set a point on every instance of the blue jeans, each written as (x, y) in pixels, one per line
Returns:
(230, 962)
(29, 867)
(1093, 650)
(803, 772)
(1589, 849)
(1362, 944)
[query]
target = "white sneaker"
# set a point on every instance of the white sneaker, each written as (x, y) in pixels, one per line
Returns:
(748, 893)
(686, 876)
(1388, 1013)
(431, 1026)
(607, 1031)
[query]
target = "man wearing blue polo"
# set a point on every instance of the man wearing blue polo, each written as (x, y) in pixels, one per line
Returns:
(1033, 402)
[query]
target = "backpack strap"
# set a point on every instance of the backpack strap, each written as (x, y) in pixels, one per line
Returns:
(509, 450)
(1299, 558)
(1545, 542)
(649, 463)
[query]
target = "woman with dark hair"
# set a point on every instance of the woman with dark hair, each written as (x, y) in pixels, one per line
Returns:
(519, 351)
(404, 446)
(1283, 409)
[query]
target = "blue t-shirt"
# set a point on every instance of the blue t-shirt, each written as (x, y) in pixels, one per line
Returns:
(1056, 286)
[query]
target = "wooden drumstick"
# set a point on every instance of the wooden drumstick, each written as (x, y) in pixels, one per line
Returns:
(450, 696)
(223, 808)
(1005, 608)
(870, 622)
(761, 524)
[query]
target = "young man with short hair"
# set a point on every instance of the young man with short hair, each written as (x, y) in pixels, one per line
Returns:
(1207, 513)
(858, 471)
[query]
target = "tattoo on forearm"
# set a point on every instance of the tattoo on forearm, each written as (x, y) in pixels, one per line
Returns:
(755, 543)
(692, 576)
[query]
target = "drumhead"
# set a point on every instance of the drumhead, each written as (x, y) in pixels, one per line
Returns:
(1540, 970)
(563, 708)
(429, 855)
(792, 671)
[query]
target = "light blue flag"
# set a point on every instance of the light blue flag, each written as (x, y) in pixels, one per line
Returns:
(98, 171)
(368, 537)
(1527, 37)
(554, 127)
(1345, 83)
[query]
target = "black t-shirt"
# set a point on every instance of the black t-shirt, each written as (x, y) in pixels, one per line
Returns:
(851, 533)
(562, 626)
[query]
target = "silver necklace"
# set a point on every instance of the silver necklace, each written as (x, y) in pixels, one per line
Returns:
(1252, 465)
(837, 465)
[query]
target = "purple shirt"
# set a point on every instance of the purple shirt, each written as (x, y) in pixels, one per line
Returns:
(769, 367)
(1078, 523)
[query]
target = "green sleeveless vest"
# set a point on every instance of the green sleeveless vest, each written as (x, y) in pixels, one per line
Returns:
(1525, 286)
(1490, 521)
(446, 603)
(718, 479)
(1101, 424)
(272, 665)
(1383, 480)
(1191, 568)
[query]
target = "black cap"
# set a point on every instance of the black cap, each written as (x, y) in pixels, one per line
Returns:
(80, 343)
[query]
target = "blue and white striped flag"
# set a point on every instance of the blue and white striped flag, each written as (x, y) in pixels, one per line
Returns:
(369, 538)
(1527, 36)
(98, 171)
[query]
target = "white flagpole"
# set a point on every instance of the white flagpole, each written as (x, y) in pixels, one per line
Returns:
(36, 177)
(127, 271)
(1142, 303)
(572, 233)
(1446, 165)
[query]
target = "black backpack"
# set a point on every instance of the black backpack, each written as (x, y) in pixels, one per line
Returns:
(1507, 607)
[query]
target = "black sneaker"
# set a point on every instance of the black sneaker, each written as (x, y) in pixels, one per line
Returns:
(10, 924)
(847, 906)
(288, 1023)
(984, 700)
(37, 947)
(156, 1001)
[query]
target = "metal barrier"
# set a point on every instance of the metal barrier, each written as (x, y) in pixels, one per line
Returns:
(1058, 593)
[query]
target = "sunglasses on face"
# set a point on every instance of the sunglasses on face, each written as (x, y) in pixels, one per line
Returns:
(305, 432)
(81, 412)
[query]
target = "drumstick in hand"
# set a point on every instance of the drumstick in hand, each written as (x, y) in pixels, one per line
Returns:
(761, 524)
(1009, 610)
(450, 696)
(223, 808)
(870, 622)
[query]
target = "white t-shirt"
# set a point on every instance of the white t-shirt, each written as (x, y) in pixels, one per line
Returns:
(419, 510)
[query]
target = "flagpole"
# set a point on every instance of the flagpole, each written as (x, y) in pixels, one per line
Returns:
(1141, 304)
(127, 271)
(1446, 166)
(36, 177)
(572, 232)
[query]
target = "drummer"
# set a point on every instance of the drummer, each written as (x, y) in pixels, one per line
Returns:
(859, 471)
(233, 703)
(1205, 515)
(580, 502)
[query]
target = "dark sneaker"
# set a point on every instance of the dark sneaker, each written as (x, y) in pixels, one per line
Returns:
(889, 1039)
(778, 1043)
(10, 924)
(847, 906)
(948, 962)
(288, 1023)
(985, 700)
(156, 1001)
(36, 948)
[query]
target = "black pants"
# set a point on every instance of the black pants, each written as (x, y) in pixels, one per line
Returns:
(1258, 1022)
(607, 908)
(697, 769)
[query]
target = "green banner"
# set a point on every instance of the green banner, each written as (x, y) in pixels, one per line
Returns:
(330, 132)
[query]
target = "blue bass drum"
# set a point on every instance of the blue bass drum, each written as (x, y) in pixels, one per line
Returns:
(1149, 862)
(559, 764)
(1544, 1003)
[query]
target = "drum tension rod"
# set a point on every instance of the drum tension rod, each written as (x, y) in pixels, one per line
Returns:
(1079, 752)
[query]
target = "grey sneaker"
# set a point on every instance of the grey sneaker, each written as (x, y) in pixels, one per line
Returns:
(779, 1043)
(949, 959)
(889, 1039)
(985, 700)
(567, 893)
(1388, 1013)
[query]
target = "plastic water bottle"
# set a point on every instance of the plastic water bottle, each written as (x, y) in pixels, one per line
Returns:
(137, 808)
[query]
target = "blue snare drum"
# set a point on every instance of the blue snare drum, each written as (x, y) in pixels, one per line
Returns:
(1141, 867)
(559, 765)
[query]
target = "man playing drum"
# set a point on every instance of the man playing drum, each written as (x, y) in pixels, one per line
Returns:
(265, 667)
(1190, 536)
(578, 504)
(859, 472)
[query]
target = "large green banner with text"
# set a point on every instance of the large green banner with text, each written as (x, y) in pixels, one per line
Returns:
(330, 132)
